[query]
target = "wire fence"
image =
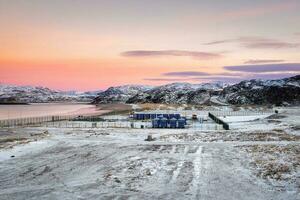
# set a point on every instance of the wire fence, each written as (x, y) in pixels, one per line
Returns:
(67, 122)
(28, 121)
(241, 113)
(205, 126)
(204, 113)
(123, 124)
(104, 124)
(120, 122)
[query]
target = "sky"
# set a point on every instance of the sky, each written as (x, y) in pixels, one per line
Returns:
(94, 44)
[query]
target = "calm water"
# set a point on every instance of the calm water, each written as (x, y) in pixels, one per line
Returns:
(45, 109)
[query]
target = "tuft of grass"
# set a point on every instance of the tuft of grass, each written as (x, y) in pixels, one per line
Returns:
(276, 162)
(12, 139)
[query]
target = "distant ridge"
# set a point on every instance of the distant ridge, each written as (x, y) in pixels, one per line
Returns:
(10, 94)
(257, 92)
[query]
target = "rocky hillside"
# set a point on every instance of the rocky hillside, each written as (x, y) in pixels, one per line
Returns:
(261, 92)
(120, 93)
(29, 94)
(258, 92)
(171, 94)
(177, 93)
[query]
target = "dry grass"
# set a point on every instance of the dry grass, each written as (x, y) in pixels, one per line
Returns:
(116, 106)
(9, 141)
(152, 106)
(275, 135)
(274, 161)
(115, 109)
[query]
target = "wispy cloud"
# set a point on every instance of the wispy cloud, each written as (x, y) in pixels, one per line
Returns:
(283, 67)
(183, 76)
(270, 76)
(257, 43)
(196, 79)
(186, 73)
(218, 42)
(193, 54)
(219, 78)
(261, 61)
(227, 79)
(264, 43)
(166, 79)
(198, 74)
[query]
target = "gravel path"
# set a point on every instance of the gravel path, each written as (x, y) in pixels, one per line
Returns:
(94, 165)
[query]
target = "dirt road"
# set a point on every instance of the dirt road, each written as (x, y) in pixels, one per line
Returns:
(119, 164)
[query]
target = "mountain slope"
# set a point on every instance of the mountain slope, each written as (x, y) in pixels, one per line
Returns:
(174, 93)
(261, 92)
(258, 92)
(29, 94)
(120, 93)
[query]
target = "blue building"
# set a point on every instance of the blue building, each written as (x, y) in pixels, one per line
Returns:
(173, 123)
(156, 123)
(181, 123)
(164, 123)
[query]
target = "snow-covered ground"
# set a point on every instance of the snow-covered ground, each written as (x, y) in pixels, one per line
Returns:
(31, 94)
(235, 119)
(251, 162)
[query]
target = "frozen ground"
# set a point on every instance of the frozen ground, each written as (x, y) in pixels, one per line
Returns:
(252, 162)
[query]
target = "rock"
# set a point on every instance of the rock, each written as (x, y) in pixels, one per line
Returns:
(148, 172)
(117, 180)
(149, 138)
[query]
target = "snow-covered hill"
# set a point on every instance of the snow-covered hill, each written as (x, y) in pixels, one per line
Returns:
(30, 94)
(282, 91)
(120, 93)
(170, 93)
(260, 92)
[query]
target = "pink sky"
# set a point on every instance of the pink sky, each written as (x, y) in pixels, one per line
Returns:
(91, 45)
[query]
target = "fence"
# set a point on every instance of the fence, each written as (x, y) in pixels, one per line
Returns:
(242, 113)
(123, 124)
(205, 126)
(66, 122)
(219, 121)
(104, 124)
(34, 120)
(114, 117)
(204, 113)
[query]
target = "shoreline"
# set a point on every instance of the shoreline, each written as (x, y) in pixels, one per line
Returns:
(17, 111)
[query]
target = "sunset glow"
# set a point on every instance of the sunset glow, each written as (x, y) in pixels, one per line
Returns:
(91, 45)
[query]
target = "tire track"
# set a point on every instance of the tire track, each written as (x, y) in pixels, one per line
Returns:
(197, 163)
(180, 164)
